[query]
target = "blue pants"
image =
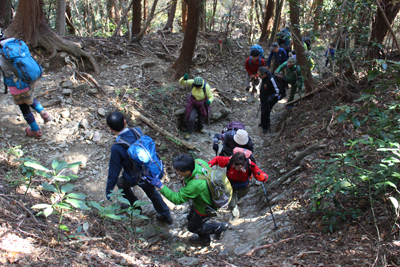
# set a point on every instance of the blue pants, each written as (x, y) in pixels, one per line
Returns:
(151, 192)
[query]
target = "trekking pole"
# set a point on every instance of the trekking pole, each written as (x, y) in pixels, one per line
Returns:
(265, 192)
(258, 111)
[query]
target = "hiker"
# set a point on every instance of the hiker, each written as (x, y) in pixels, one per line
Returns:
(310, 60)
(198, 104)
(231, 139)
(279, 55)
(306, 43)
(119, 159)
(22, 94)
(196, 190)
(292, 76)
(239, 170)
(252, 64)
(270, 93)
(330, 54)
(283, 38)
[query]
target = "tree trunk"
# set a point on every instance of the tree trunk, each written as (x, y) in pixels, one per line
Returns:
(267, 23)
(251, 19)
(182, 64)
(171, 16)
(184, 10)
(146, 25)
(5, 13)
(70, 26)
(203, 15)
(278, 9)
(29, 25)
(212, 21)
(144, 9)
(60, 22)
(298, 46)
(317, 14)
(136, 17)
(379, 26)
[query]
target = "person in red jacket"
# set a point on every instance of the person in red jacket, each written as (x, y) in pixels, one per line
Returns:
(252, 64)
(240, 171)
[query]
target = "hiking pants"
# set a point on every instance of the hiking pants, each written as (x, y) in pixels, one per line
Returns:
(197, 224)
(266, 108)
(238, 192)
(293, 89)
(151, 192)
(274, 66)
(192, 120)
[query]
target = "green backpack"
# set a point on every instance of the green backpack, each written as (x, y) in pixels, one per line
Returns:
(219, 185)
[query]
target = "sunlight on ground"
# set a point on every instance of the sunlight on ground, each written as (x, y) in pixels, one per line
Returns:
(14, 243)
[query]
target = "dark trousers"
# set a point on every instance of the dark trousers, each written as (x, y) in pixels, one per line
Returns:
(197, 224)
(151, 192)
(192, 120)
(237, 193)
(266, 108)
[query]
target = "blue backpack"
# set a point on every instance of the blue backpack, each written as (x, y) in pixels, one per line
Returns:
(23, 64)
(260, 51)
(146, 163)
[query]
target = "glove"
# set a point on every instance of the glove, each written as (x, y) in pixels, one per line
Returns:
(156, 182)
(215, 147)
(186, 77)
(279, 97)
(262, 177)
(208, 102)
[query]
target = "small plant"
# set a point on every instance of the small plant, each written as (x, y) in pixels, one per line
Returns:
(28, 172)
(61, 199)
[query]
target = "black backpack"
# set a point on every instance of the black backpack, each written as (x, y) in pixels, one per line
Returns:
(281, 82)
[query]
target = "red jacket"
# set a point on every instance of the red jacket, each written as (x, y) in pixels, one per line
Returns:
(252, 67)
(238, 177)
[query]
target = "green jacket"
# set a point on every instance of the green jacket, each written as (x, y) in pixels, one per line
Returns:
(290, 74)
(194, 189)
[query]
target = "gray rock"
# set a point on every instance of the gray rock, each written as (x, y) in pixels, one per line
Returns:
(65, 114)
(93, 91)
(296, 153)
(126, 66)
(151, 231)
(101, 112)
(188, 261)
(66, 92)
(243, 249)
(84, 124)
(66, 84)
(63, 54)
(96, 137)
(89, 135)
(149, 64)
(51, 103)
(83, 87)
(45, 65)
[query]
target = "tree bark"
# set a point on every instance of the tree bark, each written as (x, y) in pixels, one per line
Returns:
(147, 23)
(182, 64)
(278, 9)
(184, 11)
(379, 26)
(70, 26)
(298, 46)
(136, 17)
(267, 23)
(5, 13)
(29, 25)
(171, 16)
(60, 22)
(202, 22)
(212, 21)
(317, 14)
(144, 9)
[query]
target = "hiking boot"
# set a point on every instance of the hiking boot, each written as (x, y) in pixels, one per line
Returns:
(161, 218)
(260, 125)
(187, 137)
(265, 131)
(204, 241)
(45, 116)
(235, 212)
(221, 230)
(202, 131)
(239, 201)
(37, 134)
(247, 88)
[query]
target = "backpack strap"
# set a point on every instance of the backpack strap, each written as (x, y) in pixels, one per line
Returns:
(124, 142)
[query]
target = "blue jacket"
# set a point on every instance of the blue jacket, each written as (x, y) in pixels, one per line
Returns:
(119, 159)
(280, 57)
(331, 53)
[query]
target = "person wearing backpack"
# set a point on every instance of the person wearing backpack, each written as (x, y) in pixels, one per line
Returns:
(239, 170)
(270, 92)
(120, 159)
(253, 62)
(279, 55)
(232, 138)
(196, 190)
(330, 54)
(198, 104)
(21, 92)
(292, 76)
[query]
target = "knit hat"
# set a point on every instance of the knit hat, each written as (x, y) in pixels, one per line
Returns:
(241, 137)
(274, 45)
(291, 62)
(198, 81)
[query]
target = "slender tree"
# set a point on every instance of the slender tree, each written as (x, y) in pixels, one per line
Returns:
(144, 9)
(298, 45)
(147, 23)
(171, 16)
(70, 26)
(30, 25)
(136, 17)
(182, 64)
(202, 22)
(278, 9)
(60, 22)
(267, 22)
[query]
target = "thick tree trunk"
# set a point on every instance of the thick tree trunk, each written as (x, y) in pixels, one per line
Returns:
(267, 23)
(70, 26)
(182, 64)
(184, 11)
(5, 13)
(136, 17)
(147, 23)
(278, 9)
(29, 25)
(171, 16)
(298, 46)
(379, 26)
(60, 22)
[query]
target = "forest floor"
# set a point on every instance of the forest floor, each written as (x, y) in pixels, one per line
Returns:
(135, 77)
